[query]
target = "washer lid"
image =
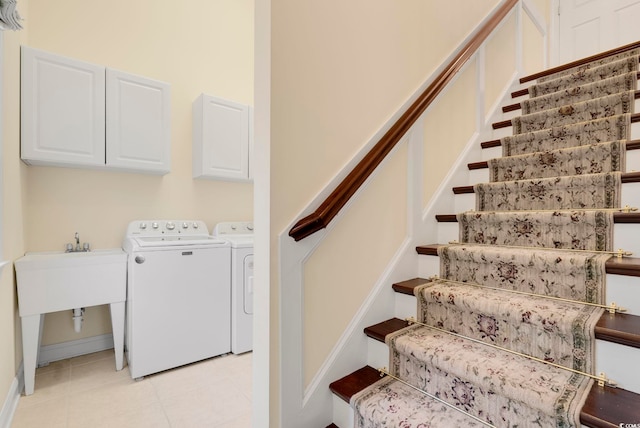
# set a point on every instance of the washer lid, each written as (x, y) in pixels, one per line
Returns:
(172, 240)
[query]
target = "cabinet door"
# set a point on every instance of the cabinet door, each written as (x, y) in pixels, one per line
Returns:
(138, 123)
(62, 110)
(220, 139)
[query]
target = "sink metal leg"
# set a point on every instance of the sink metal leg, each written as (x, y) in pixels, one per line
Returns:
(30, 345)
(117, 325)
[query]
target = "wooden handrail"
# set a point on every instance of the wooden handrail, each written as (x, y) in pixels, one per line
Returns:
(581, 61)
(328, 209)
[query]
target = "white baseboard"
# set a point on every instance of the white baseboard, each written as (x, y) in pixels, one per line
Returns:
(11, 401)
(74, 348)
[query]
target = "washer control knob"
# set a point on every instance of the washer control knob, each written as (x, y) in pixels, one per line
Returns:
(143, 226)
(171, 225)
(195, 225)
(155, 225)
(249, 227)
(139, 259)
(185, 225)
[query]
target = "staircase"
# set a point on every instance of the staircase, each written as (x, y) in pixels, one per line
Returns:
(617, 347)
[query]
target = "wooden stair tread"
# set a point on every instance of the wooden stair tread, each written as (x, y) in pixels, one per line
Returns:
(619, 328)
(379, 331)
(519, 93)
(351, 384)
(609, 407)
(618, 217)
(604, 407)
(406, 287)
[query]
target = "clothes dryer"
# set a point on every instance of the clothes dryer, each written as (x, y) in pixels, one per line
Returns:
(240, 237)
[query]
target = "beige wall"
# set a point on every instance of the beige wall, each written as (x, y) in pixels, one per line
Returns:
(449, 124)
(533, 43)
(339, 275)
(340, 70)
(500, 62)
(13, 206)
(195, 46)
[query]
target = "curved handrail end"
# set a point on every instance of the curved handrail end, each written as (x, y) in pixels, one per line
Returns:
(307, 226)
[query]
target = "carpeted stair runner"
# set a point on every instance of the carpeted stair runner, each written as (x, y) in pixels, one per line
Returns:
(575, 230)
(598, 108)
(601, 88)
(570, 275)
(558, 193)
(500, 387)
(389, 403)
(572, 135)
(580, 77)
(552, 330)
(589, 159)
(549, 196)
(591, 65)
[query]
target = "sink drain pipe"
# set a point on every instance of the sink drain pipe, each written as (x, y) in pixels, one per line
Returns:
(77, 319)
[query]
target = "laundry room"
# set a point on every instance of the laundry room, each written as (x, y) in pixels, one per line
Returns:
(196, 47)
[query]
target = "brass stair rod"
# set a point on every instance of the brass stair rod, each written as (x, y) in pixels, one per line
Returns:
(602, 380)
(625, 209)
(384, 371)
(612, 308)
(620, 253)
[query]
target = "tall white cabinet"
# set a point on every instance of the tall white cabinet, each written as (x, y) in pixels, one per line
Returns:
(78, 114)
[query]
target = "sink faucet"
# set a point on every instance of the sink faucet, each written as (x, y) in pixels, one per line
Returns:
(84, 248)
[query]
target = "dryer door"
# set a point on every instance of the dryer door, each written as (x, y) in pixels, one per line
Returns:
(248, 284)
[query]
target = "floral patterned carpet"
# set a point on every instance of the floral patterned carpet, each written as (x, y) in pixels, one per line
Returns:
(549, 196)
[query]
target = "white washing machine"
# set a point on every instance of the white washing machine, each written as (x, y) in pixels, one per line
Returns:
(178, 295)
(240, 237)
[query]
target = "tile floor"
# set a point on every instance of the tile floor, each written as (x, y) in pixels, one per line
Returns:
(86, 391)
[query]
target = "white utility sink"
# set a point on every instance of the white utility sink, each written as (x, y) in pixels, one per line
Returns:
(56, 281)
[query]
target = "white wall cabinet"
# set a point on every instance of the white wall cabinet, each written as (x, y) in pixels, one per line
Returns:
(221, 139)
(62, 110)
(138, 123)
(78, 114)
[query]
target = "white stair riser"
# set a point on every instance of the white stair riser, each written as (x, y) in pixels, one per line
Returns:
(478, 176)
(378, 354)
(447, 232)
(491, 153)
(405, 306)
(342, 413)
(625, 236)
(625, 292)
(619, 363)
